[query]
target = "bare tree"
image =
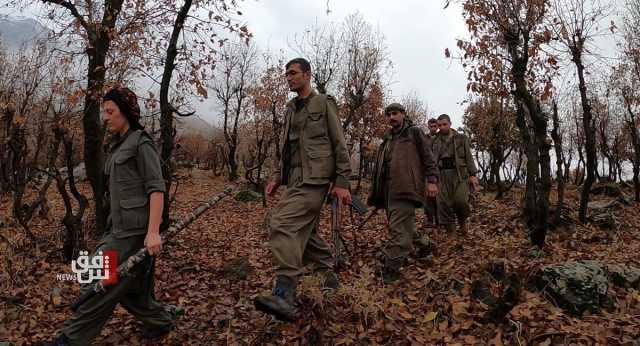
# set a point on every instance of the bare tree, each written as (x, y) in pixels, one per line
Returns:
(576, 24)
(506, 32)
(231, 89)
(626, 78)
(417, 109)
(96, 24)
(24, 102)
(366, 61)
(322, 45)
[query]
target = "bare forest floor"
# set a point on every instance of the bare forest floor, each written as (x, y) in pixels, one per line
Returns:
(432, 304)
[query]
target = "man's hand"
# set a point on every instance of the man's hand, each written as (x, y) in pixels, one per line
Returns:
(475, 184)
(343, 195)
(432, 190)
(153, 243)
(271, 188)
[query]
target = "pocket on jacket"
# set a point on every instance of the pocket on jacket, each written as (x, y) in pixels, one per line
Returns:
(316, 125)
(126, 167)
(321, 162)
(134, 213)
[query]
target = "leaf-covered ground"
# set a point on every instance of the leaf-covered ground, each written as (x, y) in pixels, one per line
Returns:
(432, 304)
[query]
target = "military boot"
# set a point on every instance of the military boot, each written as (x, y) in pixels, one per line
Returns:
(391, 270)
(423, 247)
(281, 302)
(158, 332)
(463, 228)
(331, 281)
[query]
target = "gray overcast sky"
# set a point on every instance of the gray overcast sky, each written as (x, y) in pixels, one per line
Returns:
(416, 32)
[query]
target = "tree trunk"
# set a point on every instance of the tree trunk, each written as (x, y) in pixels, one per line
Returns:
(73, 237)
(166, 110)
(557, 140)
(579, 178)
(232, 163)
(536, 204)
(18, 151)
(635, 140)
(496, 163)
(99, 37)
(590, 140)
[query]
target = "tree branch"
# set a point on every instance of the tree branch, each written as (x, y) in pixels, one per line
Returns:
(74, 11)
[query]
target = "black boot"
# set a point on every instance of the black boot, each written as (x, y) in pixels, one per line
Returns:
(154, 333)
(391, 270)
(423, 248)
(331, 281)
(281, 302)
(61, 340)
(157, 333)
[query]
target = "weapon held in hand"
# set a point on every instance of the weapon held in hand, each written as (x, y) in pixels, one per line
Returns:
(125, 269)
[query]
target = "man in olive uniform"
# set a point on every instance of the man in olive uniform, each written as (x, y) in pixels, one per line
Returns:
(314, 160)
(457, 173)
(136, 192)
(404, 165)
(430, 205)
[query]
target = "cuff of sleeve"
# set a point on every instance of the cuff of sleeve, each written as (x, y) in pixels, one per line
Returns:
(432, 179)
(342, 182)
(154, 186)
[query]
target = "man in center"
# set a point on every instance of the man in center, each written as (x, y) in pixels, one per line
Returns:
(314, 162)
(404, 173)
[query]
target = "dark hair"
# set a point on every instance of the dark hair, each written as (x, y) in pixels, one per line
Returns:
(445, 117)
(127, 102)
(304, 64)
(432, 121)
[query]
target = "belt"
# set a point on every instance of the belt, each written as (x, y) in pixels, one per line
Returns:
(447, 163)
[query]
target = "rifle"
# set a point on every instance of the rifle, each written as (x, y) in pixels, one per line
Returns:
(341, 251)
(125, 269)
(358, 206)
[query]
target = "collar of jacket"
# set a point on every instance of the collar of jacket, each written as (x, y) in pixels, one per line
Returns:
(292, 103)
(117, 139)
(407, 124)
(452, 133)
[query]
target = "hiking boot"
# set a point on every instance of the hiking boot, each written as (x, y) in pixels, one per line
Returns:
(331, 281)
(423, 248)
(281, 302)
(158, 332)
(391, 270)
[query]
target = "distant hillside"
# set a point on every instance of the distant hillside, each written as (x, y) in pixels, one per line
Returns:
(194, 125)
(15, 31)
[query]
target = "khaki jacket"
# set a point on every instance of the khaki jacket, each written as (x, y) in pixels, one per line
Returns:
(323, 150)
(133, 172)
(461, 147)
